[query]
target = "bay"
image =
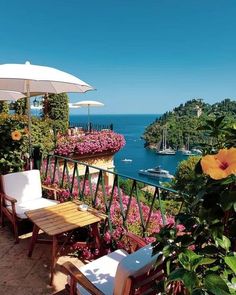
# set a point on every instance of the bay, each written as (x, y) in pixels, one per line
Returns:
(132, 127)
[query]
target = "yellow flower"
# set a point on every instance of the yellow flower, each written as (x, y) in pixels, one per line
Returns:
(220, 165)
(16, 135)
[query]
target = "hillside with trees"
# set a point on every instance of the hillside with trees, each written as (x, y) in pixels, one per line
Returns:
(184, 123)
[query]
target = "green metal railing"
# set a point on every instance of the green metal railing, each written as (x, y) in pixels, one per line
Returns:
(81, 180)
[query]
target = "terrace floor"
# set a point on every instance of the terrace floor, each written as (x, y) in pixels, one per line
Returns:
(21, 275)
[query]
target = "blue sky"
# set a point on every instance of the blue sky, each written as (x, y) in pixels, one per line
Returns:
(141, 56)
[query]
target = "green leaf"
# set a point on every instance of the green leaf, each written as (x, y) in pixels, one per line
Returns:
(206, 261)
(231, 262)
(223, 243)
(189, 278)
(216, 285)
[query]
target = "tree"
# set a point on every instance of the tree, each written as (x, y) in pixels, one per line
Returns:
(21, 106)
(55, 107)
(4, 108)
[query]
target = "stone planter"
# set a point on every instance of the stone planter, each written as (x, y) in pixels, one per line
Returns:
(98, 161)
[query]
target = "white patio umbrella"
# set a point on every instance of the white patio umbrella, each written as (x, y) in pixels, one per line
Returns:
(73, 106)
(35, 80)
(88, 104)
(10, 95)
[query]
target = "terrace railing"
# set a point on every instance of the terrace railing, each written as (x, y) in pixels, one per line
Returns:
(129, 203)
(91, 126)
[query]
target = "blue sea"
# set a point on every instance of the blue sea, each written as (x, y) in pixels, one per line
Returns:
(132, 127)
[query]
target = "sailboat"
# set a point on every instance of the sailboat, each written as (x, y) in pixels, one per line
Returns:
(187, 152)
(165, 150)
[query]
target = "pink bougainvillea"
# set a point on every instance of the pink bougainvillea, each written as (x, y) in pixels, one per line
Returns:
(90, 144)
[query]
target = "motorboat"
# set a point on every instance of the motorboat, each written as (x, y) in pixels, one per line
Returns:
(156, 172)
(187, 153)
(196, 151)
(126, 160)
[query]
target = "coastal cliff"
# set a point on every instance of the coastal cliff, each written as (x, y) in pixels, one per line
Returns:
(183, 123)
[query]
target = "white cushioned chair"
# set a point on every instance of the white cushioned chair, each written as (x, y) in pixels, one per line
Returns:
(21, 192)
(117, 273)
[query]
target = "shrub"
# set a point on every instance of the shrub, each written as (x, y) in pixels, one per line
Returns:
(14, 143)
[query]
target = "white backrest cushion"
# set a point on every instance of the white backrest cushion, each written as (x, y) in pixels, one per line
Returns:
(23, 186)
(135, 264)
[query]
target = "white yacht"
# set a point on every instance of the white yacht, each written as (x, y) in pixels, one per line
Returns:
(156, 172)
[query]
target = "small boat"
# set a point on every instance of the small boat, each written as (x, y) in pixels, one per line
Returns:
(126, 160)
(196, 151)
(156, 172)
(187, 153)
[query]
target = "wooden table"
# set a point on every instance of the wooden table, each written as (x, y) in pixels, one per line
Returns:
(59, 219)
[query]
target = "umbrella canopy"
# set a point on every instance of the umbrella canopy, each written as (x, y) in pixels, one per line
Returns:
(34, 80)
(10, 95)
(40, 79)
(73, 106)
(88, 104)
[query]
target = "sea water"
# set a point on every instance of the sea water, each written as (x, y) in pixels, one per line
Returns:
(133, 127)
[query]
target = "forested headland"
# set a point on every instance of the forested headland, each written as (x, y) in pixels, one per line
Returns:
(185, 123)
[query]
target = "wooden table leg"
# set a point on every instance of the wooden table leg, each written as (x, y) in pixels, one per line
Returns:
(54, 257)
(33, 240)
(96, 234)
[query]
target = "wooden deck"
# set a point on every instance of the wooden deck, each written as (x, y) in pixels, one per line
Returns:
(21, 275)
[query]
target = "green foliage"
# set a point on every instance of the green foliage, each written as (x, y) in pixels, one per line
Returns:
(12, 151)
(55, 107)
(186, 178)
(20, 106)
(42, 135)
(4, 107)
(202, 259)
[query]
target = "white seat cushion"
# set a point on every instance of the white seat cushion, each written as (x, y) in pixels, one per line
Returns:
(23, 186)
(135, 264)
(101, 272)
(22, 207)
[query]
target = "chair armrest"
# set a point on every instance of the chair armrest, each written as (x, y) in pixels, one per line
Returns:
(8, 198)
(77, 276)
(53, 189)
(140, 242)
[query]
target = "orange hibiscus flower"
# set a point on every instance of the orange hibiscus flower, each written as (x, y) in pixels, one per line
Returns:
(16, 135)
(220, 165)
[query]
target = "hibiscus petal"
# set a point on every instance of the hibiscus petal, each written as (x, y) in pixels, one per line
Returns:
(217, 173)
(209, 162)
(231, 169)
(231, 156)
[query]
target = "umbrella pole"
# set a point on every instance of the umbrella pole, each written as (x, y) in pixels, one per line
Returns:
(29, 121)
(88, 119)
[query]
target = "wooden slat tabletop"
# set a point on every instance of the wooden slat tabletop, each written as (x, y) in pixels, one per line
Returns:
(63, 217)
